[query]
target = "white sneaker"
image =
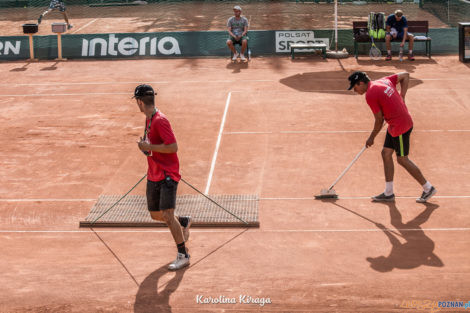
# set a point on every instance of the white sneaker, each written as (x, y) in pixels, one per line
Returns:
(186, 229)
(235, 56)
(180, 262)
(425, 196)
(242, 57)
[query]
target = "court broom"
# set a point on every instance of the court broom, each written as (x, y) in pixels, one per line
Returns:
(330, 193)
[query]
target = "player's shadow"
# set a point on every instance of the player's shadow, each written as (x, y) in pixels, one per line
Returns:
(238, 66)
(417, 249)
(153, 295)
(333, 82)
(405, 65)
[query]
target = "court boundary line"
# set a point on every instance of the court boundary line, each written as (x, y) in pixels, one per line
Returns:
(301, 132)
(126, 93)
(86, 25)
(361, 198)
(138, 82)
(260, 199)
(69, 94)
(205, 82)
(46, 200)
(352, 230)
(217, 145)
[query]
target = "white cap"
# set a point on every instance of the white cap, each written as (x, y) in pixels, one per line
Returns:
(237, 7)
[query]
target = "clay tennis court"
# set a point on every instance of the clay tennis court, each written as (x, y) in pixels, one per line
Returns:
(69, 134)
(204, 16)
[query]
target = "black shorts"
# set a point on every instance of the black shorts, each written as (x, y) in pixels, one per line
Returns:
(57, 4)
(239, 42)
(161, 195)
(401, 144)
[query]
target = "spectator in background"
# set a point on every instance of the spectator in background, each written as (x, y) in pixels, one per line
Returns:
(397, 29)
(237, 28)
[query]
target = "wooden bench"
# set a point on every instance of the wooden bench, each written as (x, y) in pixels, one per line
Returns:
(301, 47)
(417, 28)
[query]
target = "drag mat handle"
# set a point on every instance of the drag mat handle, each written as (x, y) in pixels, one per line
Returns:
(347, 168)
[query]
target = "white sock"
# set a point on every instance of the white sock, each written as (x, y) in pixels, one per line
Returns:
(427, 186)
(389, 52)
(388, 188)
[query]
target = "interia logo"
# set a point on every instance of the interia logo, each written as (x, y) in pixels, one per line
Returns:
(129, 46)
(7, 47)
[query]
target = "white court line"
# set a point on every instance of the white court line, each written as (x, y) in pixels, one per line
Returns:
(352, 230)
(135, 82)
(334, 284)
(217, 145)
(361, 198)
(68, 94)
(198, 82)
(336, 131)
(47, 200)
(86, 25)
(263, 198)
(81, 83)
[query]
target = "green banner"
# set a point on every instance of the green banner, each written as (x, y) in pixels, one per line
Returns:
(14, 48)
(188, 44)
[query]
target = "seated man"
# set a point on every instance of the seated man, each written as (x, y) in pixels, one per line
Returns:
(237, 29)
(397, 29)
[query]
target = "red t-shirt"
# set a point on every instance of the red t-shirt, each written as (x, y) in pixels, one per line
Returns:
(382, 95)
(161, 163)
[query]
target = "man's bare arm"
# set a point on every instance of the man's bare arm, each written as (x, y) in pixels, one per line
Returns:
(404, 80)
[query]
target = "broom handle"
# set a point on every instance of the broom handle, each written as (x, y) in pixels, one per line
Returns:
(347, 168)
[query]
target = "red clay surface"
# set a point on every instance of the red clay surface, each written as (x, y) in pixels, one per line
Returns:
(68, 135)
(202, 16)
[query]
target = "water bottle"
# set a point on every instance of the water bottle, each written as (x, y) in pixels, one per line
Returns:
(249, 54)
(401, 54)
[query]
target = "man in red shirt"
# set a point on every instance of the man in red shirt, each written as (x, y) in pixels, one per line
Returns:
(160, 147)
(388, 104)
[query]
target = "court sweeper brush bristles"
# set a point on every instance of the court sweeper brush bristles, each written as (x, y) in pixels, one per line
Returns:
(330, 192)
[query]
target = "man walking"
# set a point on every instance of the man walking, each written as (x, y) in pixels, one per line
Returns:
(160, 147)
(388, 104)
(56, 5)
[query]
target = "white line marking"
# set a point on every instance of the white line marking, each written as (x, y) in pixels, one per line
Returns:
(47, 200)
(217, 145)
(334, 284)
(361, 198)
(86, 25)
(265, 199)
(202, 82)
(86, 230)
(134, 82)
(81, 83)
(248, 133)
(67, 94)
(335, 131)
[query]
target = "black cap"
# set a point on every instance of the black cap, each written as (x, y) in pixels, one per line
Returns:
(143, 90)
(356, 77)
